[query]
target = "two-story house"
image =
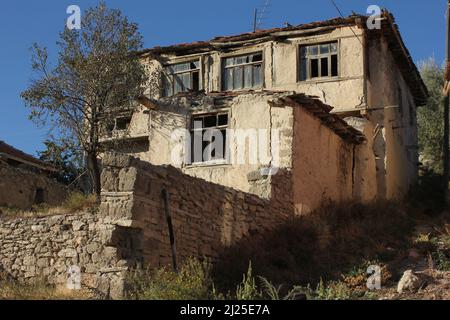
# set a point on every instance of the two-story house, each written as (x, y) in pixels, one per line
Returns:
(329, 106)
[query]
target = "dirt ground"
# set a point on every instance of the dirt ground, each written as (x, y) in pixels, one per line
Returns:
(429, 258)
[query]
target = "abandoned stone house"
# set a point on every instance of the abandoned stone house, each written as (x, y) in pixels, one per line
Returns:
(343, 97)
(25, 181)
(337, 103)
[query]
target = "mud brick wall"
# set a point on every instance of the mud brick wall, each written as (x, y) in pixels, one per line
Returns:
(206, 217)
(19, 188)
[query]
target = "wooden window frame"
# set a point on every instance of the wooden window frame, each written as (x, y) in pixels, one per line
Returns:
(218, 127)
(318, 57)
(242, 65)
(170, 77)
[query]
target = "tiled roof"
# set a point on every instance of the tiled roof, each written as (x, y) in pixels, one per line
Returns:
(10, 152)
(320, 110)
(389, 30)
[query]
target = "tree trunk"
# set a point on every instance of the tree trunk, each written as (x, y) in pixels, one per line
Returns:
(94, 172)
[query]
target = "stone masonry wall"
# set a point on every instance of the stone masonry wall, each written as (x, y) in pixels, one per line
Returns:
(206, 217)
(130, 229)
(45, 248)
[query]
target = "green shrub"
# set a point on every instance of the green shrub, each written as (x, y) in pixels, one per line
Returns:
(275, 292)
(247, 289)
(77, 202)
(334, 290)
(428, 194)
(441, 259)
(192, 282)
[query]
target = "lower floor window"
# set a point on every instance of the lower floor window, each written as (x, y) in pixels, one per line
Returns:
(209, 137)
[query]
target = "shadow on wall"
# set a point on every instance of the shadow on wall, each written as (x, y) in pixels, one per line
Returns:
(205, 216)
(324, 244)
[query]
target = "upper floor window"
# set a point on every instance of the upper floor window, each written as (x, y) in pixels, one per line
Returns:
(242, 72)
(182, 77)
(318, 61)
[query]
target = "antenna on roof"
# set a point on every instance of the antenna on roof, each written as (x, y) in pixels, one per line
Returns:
(255, 20)
(340, 13)
(260, 15)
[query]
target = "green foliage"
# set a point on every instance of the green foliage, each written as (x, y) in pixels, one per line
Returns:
(437, 246)
(66, 157)
(98, 76)
(441, 259)
(429, 117)
(77, 202)
(441, 256)
(334, 290)
(192, 282)
(247, 289)
(274, 292)
(428, 194)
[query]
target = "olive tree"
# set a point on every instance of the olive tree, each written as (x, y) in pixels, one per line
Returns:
(97, 75)
(430, 117)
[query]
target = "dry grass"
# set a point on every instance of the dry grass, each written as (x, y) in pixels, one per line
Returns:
(76, 202)
(39, 290)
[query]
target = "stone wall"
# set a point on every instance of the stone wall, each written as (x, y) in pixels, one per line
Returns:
(130, 228)
(45, 248)
(206, 217)
(21, 189)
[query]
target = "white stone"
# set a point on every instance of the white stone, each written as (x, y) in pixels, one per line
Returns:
(77, 225)
(408, 282)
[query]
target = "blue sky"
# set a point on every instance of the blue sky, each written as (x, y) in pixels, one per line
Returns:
(422, 24)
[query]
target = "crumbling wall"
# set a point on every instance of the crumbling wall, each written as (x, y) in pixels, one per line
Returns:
(206, 216)
(322, 165)
(393, 112)
(130, 229)
(345, 92)
(281, 64)
(247, 114)
(21, 189)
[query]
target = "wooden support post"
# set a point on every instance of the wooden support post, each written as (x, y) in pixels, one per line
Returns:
(165, 196)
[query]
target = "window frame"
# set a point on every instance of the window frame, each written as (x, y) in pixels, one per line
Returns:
(224, 67)
(126, 119)
(170, 76)
(113, 128)
(318, 57)
(192, 130)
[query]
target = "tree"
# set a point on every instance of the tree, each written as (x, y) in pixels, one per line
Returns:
(430, 117)
(98, 75)
(66, 158)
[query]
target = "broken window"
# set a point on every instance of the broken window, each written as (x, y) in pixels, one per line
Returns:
(242, 72)
(318, 61)
(209, 137)
(121, 123)
(182, 77)
(40, 196)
